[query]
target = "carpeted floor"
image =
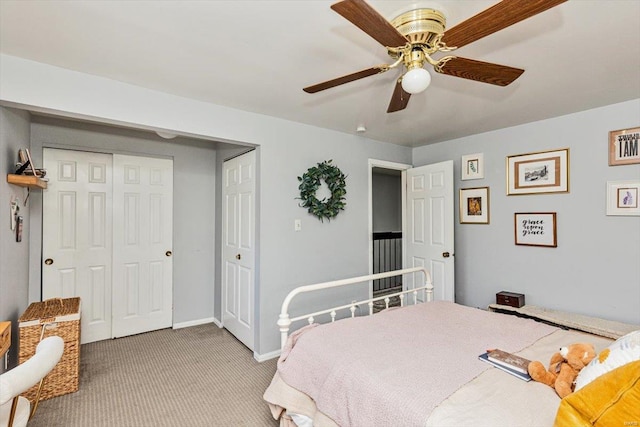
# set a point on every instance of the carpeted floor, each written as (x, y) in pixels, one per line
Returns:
(197, 376)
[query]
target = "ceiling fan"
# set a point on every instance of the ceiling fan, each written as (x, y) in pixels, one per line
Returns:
(414, 36)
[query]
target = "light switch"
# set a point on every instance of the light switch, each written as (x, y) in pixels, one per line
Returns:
(297, 225)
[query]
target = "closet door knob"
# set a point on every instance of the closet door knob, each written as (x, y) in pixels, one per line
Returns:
(168, 253)
(238, 256)
(48, 261)
(445, 254)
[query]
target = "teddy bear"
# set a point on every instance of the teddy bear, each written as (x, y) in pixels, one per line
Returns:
(563, 367)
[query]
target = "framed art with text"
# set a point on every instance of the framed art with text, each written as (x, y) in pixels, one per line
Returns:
(536, 229)
(623, 147)
(622, 198)
(474, 205)
(535, 173)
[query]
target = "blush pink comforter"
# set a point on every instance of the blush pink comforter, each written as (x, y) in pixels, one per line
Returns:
(394, 368)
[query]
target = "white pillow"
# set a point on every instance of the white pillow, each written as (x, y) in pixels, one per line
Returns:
(624, 350)
(301, 420)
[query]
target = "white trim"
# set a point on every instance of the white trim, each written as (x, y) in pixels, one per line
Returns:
(266, 356)
(194, 323)
(403, 167)
(218, 323)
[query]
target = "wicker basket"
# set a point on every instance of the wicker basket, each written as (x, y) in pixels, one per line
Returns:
(60, 317)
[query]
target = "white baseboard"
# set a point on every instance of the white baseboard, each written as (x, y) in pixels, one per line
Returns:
(267, 356)
(195, 323)
(258, 357)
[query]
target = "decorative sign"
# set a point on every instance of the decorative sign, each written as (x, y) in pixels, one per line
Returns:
(536, 229)
(623, 147)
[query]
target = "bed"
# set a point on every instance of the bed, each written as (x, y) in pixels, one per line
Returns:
(415, 365)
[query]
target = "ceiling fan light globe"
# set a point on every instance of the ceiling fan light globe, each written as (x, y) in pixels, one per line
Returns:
(416, 80)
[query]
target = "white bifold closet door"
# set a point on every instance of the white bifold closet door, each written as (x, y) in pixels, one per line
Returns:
(238, 249)
(107, 238)
(77, 235)
(142, 229)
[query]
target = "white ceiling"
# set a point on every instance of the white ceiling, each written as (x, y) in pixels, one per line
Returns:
(258, 55)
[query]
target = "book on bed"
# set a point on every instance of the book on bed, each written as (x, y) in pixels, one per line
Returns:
(509, 360)
(504, 367)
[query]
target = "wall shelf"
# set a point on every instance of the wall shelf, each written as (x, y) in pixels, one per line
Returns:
(28, 181)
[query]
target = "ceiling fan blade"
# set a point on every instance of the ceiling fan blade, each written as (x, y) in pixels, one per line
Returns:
(495, 18)
(485, 72)
(363, 16)
(399, 99)
(345, 79)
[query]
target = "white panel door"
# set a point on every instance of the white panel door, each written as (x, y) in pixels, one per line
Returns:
(76, 235)
(429, 237)
(142, 227)
(238, 251)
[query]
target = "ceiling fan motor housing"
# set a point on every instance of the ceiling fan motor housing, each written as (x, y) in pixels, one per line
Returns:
(421, 26)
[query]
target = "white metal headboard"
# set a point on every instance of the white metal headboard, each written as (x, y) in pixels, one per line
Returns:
(284, 321)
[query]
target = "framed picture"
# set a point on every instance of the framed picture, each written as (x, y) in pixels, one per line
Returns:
(623, 147)
(622, 198)
(536, 229)
(474, 205)
(543, 172)
(472, 166)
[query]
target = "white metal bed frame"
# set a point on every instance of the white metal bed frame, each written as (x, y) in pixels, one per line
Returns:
(284, 321)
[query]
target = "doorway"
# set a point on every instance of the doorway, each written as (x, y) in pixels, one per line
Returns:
(427, 222)
(386, 181)
(386, 199)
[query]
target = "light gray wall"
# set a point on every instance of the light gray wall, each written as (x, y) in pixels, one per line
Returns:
(322, 251)
(14, 256)
(387, 202)
(595, 269)
(287, 149)
(193, 203)
(328, 251)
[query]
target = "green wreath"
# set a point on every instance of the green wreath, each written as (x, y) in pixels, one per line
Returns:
(311, 181)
